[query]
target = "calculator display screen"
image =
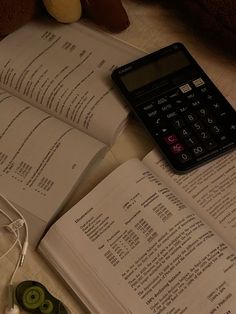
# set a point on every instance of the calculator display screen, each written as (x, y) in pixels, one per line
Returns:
(154, 70)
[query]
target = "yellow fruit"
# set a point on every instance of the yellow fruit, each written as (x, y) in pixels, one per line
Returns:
(64, 11)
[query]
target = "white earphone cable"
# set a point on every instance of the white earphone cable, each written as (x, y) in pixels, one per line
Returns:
(26, 240)
(14, 227)
(15, 271)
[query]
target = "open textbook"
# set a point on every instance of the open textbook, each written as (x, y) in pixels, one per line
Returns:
(146, 240)
(58, 111)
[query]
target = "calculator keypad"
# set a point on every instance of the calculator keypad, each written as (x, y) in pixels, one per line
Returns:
(191, 122)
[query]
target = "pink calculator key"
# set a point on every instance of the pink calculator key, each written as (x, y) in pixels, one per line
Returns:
(177, 148)
(171, 139)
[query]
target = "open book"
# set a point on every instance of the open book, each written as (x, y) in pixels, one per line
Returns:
(145, 240)
(58, 112)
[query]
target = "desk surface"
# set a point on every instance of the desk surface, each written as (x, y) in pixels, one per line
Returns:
(152, 27)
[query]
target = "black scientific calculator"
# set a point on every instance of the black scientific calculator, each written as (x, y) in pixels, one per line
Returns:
(181, 108)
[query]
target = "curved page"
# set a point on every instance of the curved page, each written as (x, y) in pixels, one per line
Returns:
(65, 70)
(41, 158)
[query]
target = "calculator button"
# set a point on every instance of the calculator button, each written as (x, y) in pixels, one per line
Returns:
(171, 139)
(160, 132)
(232, 127)
(185, 88)
(177, 148)
(177, 123)
(203, 112)
(171, 115)
(198, 82)
(174, 95)
(191, 141)
(210, 145)
(191, 96)
(153, 114)
(184, 157)
(157, 121)
(198, 126)
(216, 106)
(183, 109)
(209, 97)
(163, 130)
(191, 117)
(195, 103)
(198, 150)
(216, 129)
(166, 107)
(222, 138)
(161, 101)
(204, 136)
(209, 120)
(179, 102)
(184, 132)
(223, 114)
(203, 90)
(149, 106)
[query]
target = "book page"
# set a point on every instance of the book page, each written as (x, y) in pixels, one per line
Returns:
(41, 158)
(145, 247)
(210, 190)
(65, 70)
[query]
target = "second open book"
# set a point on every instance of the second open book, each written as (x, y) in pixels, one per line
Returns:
(148, 241)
